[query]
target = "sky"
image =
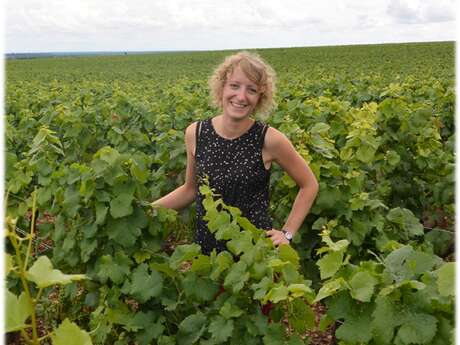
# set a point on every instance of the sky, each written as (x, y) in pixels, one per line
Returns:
(163, 25)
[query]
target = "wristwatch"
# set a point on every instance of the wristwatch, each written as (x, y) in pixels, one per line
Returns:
(287, 234)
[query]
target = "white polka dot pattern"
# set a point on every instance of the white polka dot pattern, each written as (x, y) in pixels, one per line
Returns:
(236, 171)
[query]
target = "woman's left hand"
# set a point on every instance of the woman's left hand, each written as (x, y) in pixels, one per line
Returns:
(277, 237)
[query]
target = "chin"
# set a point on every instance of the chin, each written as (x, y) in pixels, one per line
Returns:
(238, 114)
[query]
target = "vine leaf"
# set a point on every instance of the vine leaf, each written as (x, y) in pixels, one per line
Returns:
(18, 310)
(121, 205)
(69, 333)
(419, 328)
(362, 286)
(191, 329)
(446, 279)
(221, 329)
(43, 274)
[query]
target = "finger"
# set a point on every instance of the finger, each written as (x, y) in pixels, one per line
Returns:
(276, 241)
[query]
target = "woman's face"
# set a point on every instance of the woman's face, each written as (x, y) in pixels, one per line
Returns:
(240, 95)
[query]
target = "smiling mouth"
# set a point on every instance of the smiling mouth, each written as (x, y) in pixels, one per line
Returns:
(239, 106)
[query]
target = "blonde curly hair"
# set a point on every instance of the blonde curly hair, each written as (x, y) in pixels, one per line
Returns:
(256, 69)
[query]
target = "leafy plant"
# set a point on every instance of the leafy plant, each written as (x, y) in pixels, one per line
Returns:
(35, 277)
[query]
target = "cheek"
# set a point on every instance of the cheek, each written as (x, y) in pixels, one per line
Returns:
(256, 100)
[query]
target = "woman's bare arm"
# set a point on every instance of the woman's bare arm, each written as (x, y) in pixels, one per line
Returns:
(283, 152)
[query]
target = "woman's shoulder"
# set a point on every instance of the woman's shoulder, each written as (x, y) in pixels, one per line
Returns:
(275, 138)
(191, 128)
(201, 122)
(194, 128)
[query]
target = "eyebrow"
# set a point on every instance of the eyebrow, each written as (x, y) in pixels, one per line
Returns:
(252, 84)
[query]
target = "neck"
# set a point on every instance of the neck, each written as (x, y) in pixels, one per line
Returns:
(231, 128)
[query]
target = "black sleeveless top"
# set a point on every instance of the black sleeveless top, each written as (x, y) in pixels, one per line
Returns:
(236, 171)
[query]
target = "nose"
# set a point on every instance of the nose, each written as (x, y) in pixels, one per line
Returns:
(242, 94)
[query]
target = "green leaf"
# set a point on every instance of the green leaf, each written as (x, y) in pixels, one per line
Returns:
(440, 240)
(278, 293)
(9, 263)
(355, 328)
(101, 212)
(299, 290)
(223, 261)
(418, 328)
(340, 305)
(319, 128)
(107, 154)
(183, 253)
(405, 263)
(144, 286)
(365, 153)
(71, 202)
(325, 322)
(385, 318)
(245, 224)
(146, 326)
(260, 289)
(406, 220)
(87, 246)
(191, 329)
(330, 263)
(393, 158)
(202, 264)
(69, 333)
(274, 334)
(362, 286)
(446, 279)
(446, 332)
(230, 310)
(218, 222)
(139, 168)
(329, 289)
(236, 277)
(18, 311)
(43, 274)
(166, 340)
(241, 243)
(301, 316)
(123, 231)
(290, 273)
(199, 288)
(116, 268)
(328, 197)
(221, 329)
(287, 253)
(121, 205)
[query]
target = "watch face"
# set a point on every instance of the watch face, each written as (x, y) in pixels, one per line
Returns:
(288, 235)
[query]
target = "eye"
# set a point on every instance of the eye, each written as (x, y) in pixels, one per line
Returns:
(252, 91)
(234, 86)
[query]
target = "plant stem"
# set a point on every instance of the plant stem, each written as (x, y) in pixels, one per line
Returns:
(32, 230)
(39, 294)
(26, 337)
(22, 273)
(44, 337)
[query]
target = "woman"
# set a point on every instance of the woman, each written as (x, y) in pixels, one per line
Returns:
(236, 153)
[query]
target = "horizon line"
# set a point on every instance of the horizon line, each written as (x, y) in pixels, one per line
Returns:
(212, 50)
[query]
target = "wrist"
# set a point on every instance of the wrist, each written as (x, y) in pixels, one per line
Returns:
(287, 234)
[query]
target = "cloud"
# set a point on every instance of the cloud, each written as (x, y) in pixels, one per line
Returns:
(213, 24)
(421, 12)
(402, 12)
(438, 11)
